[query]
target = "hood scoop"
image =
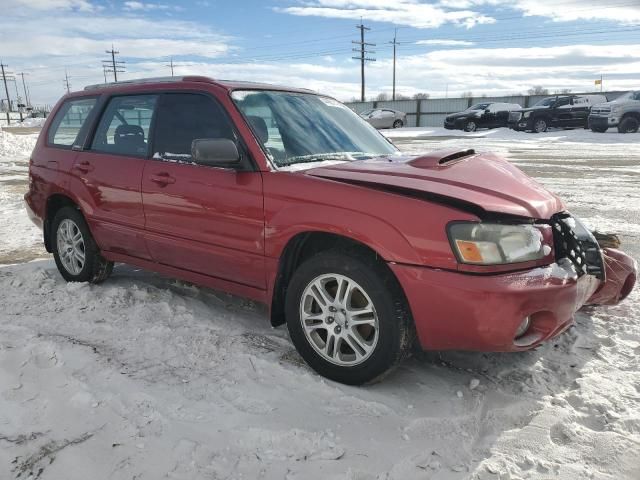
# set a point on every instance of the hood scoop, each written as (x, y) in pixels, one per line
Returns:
(441, 157)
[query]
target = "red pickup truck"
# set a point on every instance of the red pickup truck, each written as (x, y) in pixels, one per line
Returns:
(289, 198)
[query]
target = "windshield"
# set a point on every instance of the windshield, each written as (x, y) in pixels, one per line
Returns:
(629, 96)
(546, 102)
(479, 106)
(298, 128)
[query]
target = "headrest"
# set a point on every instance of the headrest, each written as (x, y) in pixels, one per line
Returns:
(129, 134)
(259, 127)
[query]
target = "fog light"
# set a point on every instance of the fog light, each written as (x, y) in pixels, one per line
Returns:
(524, 326)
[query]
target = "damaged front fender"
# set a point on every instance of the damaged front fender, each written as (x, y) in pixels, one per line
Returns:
(621, 273)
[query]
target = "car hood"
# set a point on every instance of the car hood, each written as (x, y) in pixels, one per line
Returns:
(484, 182)
(530, 109)
(466, 113)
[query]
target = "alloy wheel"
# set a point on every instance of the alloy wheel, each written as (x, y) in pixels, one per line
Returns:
(339, 319)
(540, 126)
(71, 248)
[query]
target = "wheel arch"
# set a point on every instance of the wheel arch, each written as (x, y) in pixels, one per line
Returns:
(632, 114)
(303, 246)
(55, 202)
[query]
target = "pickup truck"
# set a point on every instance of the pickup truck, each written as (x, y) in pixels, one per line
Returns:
(623, 112)
(563, 111)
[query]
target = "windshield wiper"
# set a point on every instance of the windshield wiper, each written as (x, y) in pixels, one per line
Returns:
(320, 157)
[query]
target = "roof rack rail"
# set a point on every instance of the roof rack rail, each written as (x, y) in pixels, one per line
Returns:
(141, 81)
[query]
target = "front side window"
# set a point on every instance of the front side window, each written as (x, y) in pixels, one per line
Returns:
(68, 121)
(546, 102)
(124, 126)
(305, 128)
(184, 117)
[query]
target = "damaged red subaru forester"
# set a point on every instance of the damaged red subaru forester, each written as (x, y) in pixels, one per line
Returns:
(289, 198)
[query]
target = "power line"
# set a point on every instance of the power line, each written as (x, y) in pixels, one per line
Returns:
(115, 66)
(363, 55)
(395, 44)
(6, 89)
(24, 88)
(170, 65)
(66, 81)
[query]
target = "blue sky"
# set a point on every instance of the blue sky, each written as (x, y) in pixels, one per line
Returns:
(447, 46)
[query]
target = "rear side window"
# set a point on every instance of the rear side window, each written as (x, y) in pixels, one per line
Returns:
(68, 121)
(184, 117)
(124, 126)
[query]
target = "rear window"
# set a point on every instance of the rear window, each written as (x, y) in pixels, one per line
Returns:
(68, 121)
(124, 126)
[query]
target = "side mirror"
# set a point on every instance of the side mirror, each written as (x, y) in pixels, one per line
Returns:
(215, 152)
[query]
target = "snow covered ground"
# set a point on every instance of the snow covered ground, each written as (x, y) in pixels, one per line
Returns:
(146, 377)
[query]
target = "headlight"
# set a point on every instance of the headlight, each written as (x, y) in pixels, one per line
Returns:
(616, 109)
(526, 115)
(495, 244)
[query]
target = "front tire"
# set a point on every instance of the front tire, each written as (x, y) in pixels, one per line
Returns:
(629, 125)
(540, 125)
(75, 252)
(470, 126)
(347, 317)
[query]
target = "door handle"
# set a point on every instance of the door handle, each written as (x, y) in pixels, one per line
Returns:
(84, 167)
(162, 179)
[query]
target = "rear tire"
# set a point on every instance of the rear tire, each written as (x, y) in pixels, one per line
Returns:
(629, 125)
(75, 252)
(324, 335)
(398, 124)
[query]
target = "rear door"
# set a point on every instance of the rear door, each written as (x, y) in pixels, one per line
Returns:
(199, 218)
(108, 174)
(580, 111)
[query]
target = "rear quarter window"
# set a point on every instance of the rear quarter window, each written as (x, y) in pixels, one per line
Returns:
(69, 120)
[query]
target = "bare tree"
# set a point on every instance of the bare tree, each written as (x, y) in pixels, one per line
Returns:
(420, 96)
(382, 96)
(538, 90)
(467, 95)
(563, 91)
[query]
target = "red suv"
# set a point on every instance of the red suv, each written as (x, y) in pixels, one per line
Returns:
(289, 198)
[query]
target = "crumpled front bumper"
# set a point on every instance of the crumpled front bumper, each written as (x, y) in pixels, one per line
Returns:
(460, 311)
(621, 275)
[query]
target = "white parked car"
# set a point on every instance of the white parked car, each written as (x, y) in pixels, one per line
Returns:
(384, 118)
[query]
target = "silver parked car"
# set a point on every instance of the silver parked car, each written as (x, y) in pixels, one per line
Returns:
(385, 118)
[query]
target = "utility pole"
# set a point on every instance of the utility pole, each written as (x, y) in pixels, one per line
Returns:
(113, 66)
(363, 55)
(66, 81)
(170, 65)
(6, 89)
(395, 43)
(104, 72)
(24, 88)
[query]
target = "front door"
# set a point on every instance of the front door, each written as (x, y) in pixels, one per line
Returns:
(198, 218)
(110, 171)
(562, 113)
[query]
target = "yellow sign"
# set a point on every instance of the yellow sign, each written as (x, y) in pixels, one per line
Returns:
(598, 82)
